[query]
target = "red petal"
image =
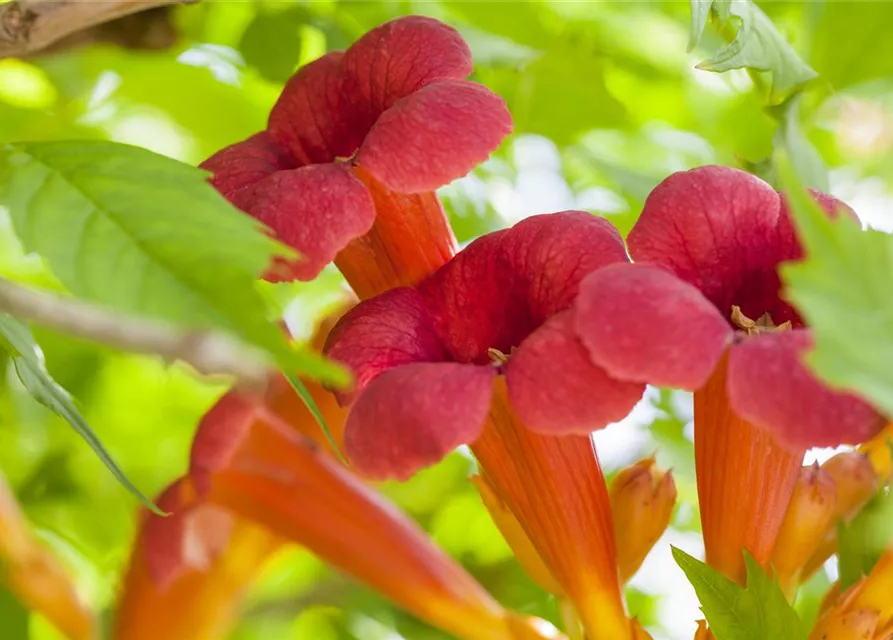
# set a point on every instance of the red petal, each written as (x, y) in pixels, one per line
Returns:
(555, 388)
(314, 117)
(316, 209)
(245, 163)
(221, 430)
(715, 227)
(381, 333)
(771, 387)
(400, 56)
(410, 417)
(164, 537)
(643, 323)
(435, 135)
(554, 252)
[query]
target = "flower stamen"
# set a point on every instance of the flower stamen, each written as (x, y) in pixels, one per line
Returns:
(755, 327)
(497, 357)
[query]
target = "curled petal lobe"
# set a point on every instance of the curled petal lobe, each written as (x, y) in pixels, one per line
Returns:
(714, 227)
(313, 117)
(389, 330)
(434, 135)
(401, 56)
(555, 388)
(553, 252)
(412, 416)
(220, 433)
(642, 323)
(238, 166)
(770, 386)
(164, 538)
(316, 209)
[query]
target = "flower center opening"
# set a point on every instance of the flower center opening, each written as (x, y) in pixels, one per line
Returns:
(754, 327)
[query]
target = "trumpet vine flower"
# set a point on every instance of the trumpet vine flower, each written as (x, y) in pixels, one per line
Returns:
(462, 358)
(354, 149)
(248, 464)
(702, 309)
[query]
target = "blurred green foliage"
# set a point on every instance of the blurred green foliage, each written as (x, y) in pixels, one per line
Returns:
(606, 100)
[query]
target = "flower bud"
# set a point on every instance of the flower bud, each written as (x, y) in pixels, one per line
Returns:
(516, 537)
(809, 516)
(639, 632)
(703, 633)
(855, 480)
(642, 501)
(852, 625)
(880, 452)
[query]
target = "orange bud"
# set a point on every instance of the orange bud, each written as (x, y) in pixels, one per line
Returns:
(853, 625)
(809, 516)
(517, 539)
(855, 480)
(35, 576)
(642, 501)
(874, 591)
(703, 633)
(879, 452)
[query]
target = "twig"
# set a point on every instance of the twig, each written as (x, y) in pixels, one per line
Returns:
(27, 26)
(209, 352)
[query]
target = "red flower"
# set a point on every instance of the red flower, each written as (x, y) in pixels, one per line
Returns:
(355, 131)
(425, 358)
(714, 238)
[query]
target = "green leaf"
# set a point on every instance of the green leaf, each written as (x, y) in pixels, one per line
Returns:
(16, 338)
(700, 12)
(733, 612)
(145, 234)
(13, 616)
(807, 162)
(272, 43)
(311, 405)
(843, 291)
(862, 542)
(758, 45)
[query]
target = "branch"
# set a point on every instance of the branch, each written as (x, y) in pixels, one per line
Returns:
(209, 352)
(27, 26)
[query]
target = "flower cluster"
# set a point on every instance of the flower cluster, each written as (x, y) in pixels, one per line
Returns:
(520, 346)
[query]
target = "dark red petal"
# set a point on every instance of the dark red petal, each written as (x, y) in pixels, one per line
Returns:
(555, 388)
(552, 253)
(164, 537)
(714, 227)
(435, 135)
(410, 417)
(316, 209)
(400, 56)
(315, 117)
(771, 387)
(221, 430)
(381, 333)
(241, 165)
(642, 323)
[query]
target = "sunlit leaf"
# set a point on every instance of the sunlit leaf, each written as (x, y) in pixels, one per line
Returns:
(27, 358)
(758, 45)
(700, 12)
(843, 291)
(807, 161)
(733, 612)
(145, 234)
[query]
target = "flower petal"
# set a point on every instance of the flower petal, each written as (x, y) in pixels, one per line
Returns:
(412, 416)
(392, 329)
(715, 227)
(314, 118)
(220, 433)
(316, 209)
(239, 166)
(642, 323)
(435, 135)
(400, 56)
(554, 252)
(770, 386)
(164, 538)
(555, 388)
